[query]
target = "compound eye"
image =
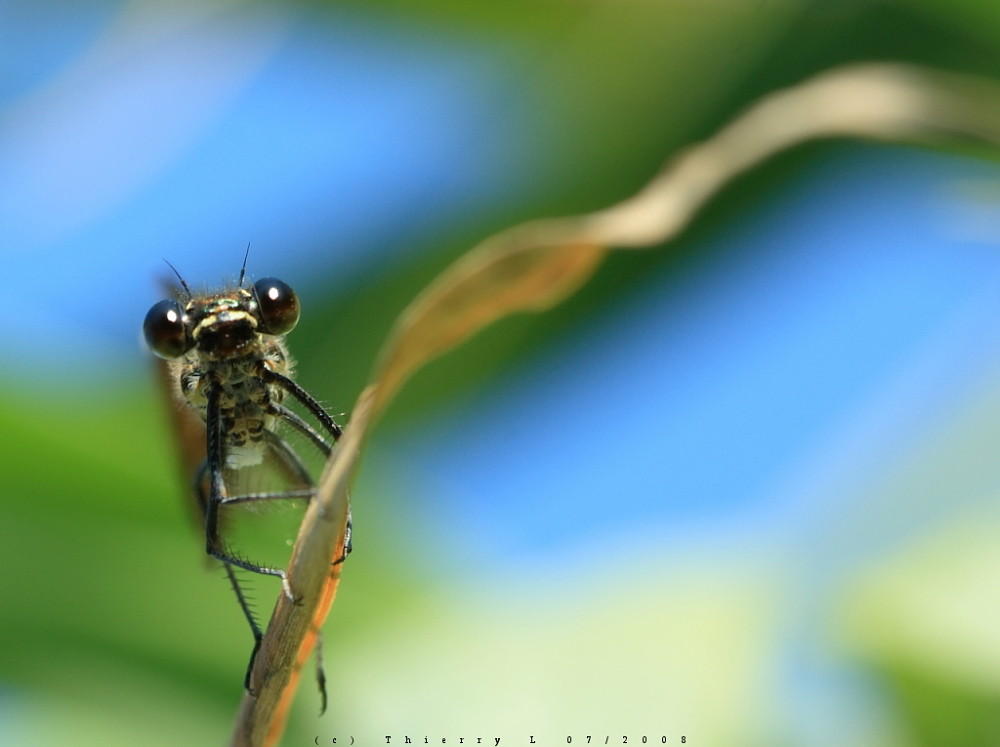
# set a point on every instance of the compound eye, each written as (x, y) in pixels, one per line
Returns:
(165, 331)
(278, 305)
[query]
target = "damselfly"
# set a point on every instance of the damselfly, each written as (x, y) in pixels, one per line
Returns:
(228, 363)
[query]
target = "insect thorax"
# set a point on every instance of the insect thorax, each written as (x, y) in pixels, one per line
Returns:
(245, 399)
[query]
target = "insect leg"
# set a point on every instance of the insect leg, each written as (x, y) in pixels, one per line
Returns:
(306, 399)
(258, 634)
(241, 597)
(292, 418)
(217, 496)
(314, 407)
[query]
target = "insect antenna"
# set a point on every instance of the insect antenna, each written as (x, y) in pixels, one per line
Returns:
(243, 269)
(184, 284)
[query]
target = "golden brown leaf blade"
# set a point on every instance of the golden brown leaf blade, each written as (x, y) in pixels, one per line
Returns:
(495, 280)
(535, 265)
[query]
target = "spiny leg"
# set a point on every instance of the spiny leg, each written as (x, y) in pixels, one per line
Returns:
(293, 419)
(306, 399)
(217, 496)
(258, 634)
(241, 596)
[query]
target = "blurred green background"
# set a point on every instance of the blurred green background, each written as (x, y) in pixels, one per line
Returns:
(742, 489)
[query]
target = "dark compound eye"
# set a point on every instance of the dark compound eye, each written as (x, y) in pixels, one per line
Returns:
(278, 305)
(165, 331)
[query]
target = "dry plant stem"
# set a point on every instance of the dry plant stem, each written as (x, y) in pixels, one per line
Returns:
(533, 266)
(292, 630)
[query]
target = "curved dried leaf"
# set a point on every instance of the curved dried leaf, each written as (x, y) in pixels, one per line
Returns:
(535, 265)
(515, 272)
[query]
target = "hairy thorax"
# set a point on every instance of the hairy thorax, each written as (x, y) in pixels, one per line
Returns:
(245, 399)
